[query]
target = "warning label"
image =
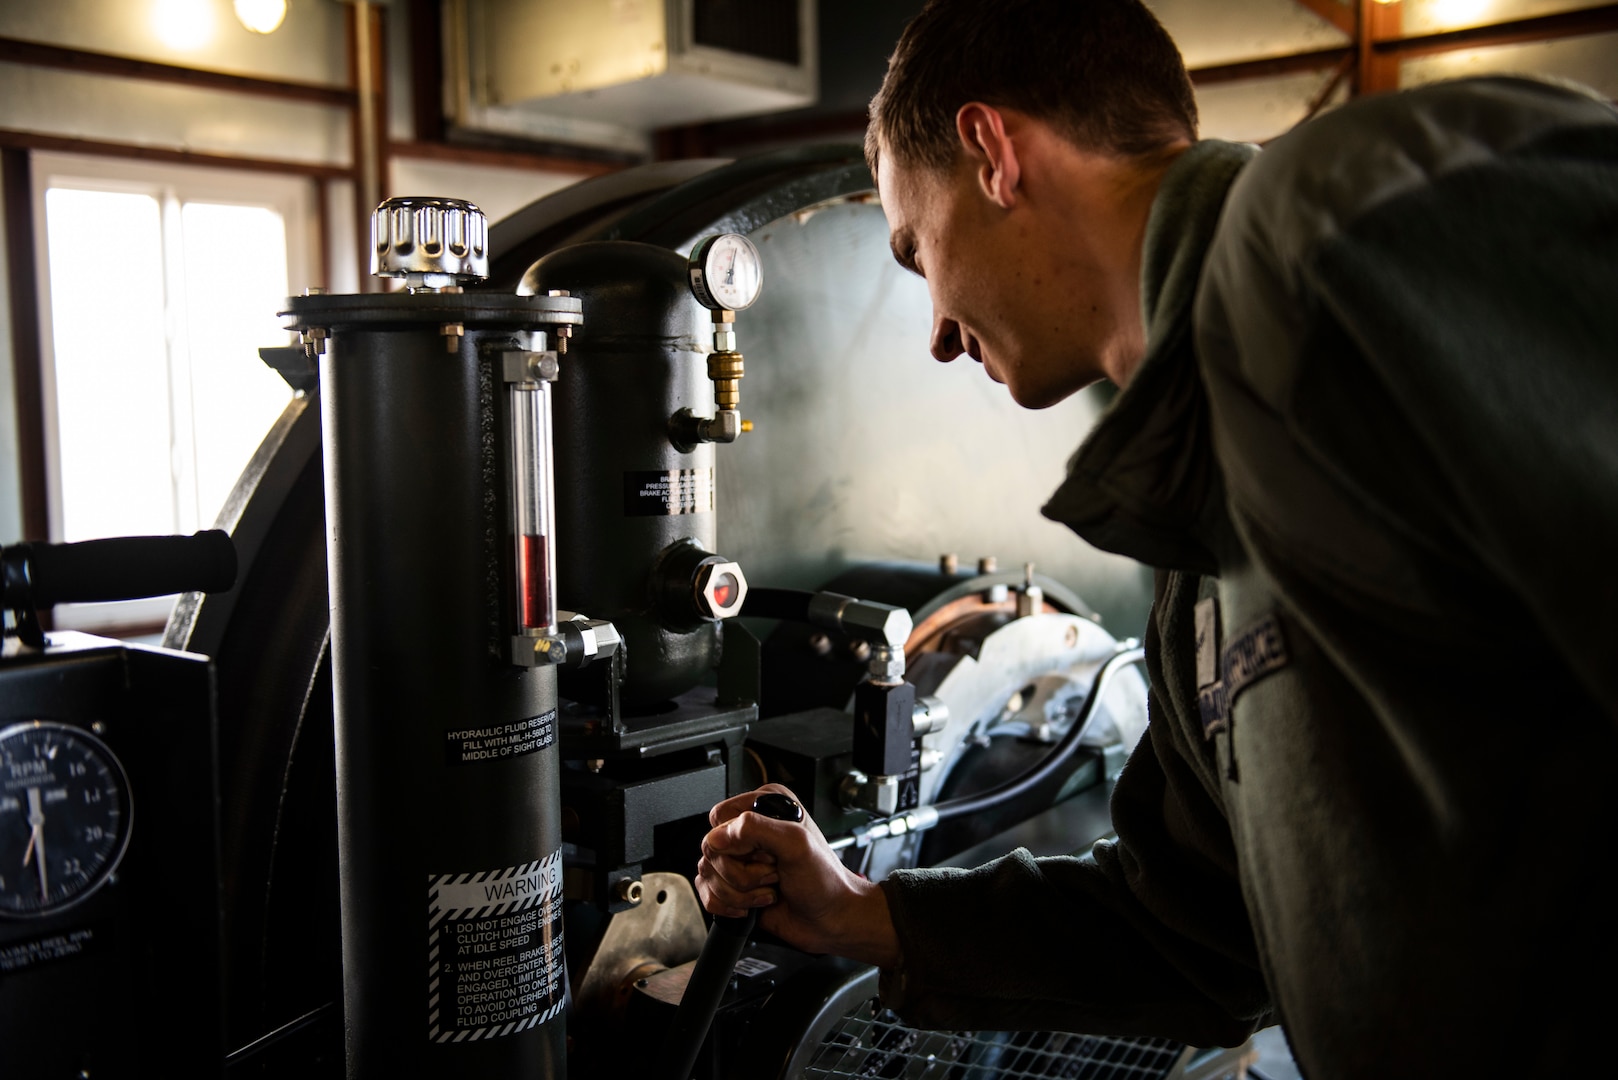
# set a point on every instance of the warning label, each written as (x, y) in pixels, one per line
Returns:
(501, 741)
(662, 494)
(494, 951)
(21, 955)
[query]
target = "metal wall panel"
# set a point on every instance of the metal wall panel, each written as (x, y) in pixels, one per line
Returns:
(867, 448)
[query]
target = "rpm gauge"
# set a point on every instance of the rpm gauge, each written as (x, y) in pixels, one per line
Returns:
(64, 816)
(726, 272)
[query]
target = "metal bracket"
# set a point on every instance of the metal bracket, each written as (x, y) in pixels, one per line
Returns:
(521, 366)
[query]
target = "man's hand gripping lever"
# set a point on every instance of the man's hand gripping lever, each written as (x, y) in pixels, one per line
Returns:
(727, 937)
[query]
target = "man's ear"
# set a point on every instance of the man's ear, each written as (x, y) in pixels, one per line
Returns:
(982, 131)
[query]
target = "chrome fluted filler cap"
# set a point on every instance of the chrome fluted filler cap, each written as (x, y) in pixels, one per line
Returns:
(431, 242)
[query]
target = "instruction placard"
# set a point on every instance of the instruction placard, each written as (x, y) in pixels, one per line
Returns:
(500, 741)
(663, 494)
(18, 956)
(494, 951)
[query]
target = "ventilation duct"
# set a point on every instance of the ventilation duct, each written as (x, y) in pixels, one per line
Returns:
(607, 73)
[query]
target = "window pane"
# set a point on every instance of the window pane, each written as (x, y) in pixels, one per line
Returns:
(236, 280)
(112, 386)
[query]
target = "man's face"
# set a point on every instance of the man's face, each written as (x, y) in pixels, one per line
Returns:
(1003, 292)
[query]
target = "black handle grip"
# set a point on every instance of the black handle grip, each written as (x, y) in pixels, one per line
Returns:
(123, 568)
(726, 939)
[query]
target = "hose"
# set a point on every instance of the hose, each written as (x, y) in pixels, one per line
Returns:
(789, 604)
(1063, 752)
(925, 817)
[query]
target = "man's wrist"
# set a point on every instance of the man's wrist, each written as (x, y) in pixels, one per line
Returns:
(866, 932)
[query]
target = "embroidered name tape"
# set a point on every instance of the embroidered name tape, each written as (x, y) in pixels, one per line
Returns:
(1255, 652)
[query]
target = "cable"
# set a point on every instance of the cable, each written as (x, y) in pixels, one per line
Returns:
(1064, 751)
(925, 817)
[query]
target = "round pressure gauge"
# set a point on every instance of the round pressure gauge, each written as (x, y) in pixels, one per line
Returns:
(726, 273)
(64, 816)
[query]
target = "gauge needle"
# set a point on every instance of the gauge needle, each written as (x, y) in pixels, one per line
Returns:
(36, 840)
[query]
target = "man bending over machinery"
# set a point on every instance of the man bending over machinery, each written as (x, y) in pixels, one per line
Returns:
(1368, 434)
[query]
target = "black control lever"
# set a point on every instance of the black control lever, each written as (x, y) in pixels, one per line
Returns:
(38, 575)
(726, 939)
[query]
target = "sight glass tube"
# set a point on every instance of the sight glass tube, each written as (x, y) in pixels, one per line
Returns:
(535, 501)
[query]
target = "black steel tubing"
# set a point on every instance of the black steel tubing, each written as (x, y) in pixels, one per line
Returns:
(791, 605)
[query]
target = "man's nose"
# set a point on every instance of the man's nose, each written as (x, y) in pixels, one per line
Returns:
(946, 343)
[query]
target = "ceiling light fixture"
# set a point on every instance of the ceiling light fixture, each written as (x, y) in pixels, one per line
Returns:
(261, 16)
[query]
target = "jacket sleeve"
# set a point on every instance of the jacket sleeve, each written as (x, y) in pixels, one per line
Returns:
(1147, 935)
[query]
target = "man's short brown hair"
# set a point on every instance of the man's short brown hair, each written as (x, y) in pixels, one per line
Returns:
(1104, 72)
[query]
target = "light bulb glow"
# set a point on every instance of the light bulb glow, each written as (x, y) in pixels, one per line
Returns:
(261, 16)
(183, 24)
(1460, 12)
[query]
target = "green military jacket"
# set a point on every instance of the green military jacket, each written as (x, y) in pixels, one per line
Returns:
(1373, 451)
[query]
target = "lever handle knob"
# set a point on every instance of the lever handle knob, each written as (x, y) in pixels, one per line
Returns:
(773, 804)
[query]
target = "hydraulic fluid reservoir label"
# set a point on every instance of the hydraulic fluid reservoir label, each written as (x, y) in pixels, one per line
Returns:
(500, 741)
(494, 951)
(673, 491)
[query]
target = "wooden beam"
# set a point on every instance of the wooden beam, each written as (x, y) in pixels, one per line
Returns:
(368, 130)
(1377, 72)
(36, 54)
(26, 357)
(427, 69)
(29, 140)
(1338, 14)
(1344, 72)
(1592, 20)
(1270, 67)
(500, 159)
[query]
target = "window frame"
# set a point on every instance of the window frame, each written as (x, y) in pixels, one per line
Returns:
(295, 198)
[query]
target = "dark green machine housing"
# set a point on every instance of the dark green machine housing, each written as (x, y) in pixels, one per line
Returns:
(633, 505)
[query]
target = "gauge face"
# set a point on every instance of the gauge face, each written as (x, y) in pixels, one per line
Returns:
(64, 816)
(726, 273)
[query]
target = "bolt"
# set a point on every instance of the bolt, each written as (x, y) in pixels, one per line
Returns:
(987, 565)
(860, 650)
(1071, 638)
(452, 335)
(819, 644)
(629, 890)
(99, 728)
(949, 564)
(595, 764)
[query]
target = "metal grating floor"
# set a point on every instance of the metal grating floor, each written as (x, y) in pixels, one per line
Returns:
(871, 1043)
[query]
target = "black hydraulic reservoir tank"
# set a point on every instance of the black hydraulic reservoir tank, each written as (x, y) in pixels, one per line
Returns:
(631, 505)
(447, 765)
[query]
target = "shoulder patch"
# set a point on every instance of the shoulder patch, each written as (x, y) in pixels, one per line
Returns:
(1256, 651)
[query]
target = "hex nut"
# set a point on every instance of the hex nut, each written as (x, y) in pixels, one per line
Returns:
(878, 622)
(886, 664)
(721, 589)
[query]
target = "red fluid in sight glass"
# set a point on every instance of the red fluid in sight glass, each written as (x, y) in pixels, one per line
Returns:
(534, 584)
(724, 590)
